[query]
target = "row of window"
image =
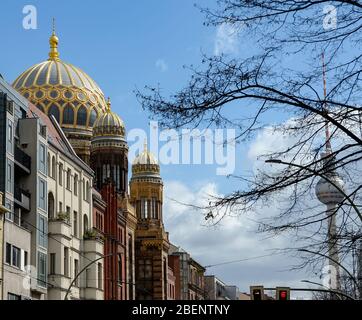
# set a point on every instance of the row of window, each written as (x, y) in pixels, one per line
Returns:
(75, 220)
(76, 269)
(68, 115)
(99, 221)
(148, 209)
(171, 291)
(52, 173)
(14, 256)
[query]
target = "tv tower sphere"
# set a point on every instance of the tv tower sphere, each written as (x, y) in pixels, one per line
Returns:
(327, 192)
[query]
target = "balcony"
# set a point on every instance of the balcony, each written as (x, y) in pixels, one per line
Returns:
(22, 159)
(22, 198)
(60, 227)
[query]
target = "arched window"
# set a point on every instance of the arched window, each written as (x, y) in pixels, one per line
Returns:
(92, 117)
(82, 116)
(54, 110)
(83, 188)
(54, 164)
(60, 174)
(51, 213)
(68, 115)
(75, 187)
(48, 165)
(69, 173)
(85, 223)
(87, 191)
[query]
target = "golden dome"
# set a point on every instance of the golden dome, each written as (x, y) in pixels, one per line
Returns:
(145, 165)
(109, 124)
(146, 157)
(63, 90)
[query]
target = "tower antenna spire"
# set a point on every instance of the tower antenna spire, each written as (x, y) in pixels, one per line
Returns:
(53, 26)
(325, 108)
(53, 42)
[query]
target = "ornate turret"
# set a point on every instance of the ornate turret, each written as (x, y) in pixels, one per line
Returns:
(109, 151)
(146, 192)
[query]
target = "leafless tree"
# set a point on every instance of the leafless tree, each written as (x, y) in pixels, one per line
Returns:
(280, 72)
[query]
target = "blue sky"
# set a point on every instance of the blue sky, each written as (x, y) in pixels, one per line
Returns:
(124, 45)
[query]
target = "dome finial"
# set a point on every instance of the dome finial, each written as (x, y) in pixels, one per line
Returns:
(108, 109)
(53, 41)
(145, 145)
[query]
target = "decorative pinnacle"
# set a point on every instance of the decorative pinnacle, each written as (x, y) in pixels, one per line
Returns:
(108, 108)
(145, 145)
(53, 41)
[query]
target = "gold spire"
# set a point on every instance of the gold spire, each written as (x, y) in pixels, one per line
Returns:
(53, 41)
(145, 145)
(108, 108)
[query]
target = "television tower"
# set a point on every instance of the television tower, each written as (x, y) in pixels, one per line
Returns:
(330, 194)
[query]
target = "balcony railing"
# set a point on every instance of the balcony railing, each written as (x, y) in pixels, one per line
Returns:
(22, 197)
(22, 158)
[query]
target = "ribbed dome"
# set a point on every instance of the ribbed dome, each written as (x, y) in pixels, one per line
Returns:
(145, 165)
(145, 157)
(109, 124)
(63, 90)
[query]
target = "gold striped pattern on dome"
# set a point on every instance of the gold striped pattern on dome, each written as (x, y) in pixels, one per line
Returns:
(109, 124)
(63, 90)
(146, 157)
(145, 165)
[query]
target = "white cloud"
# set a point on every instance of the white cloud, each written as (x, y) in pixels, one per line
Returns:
(234, 238)
(161, 65)
(226, 39)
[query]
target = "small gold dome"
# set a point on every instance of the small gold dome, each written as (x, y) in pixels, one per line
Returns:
(109, 124)
(145, 165)
(63, 90)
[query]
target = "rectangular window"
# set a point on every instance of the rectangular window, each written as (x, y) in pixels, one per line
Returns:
(9, 176)
(42, 231)
(100, 278)
(67, 209)
(9, 215)
(66, 262)
(8, 253)
(52, 263)
(9, 145)
(143, 208)
(60, 206)
(42, 159)
(16, 257)
(42, 194)
(60, 174)
(75, 187)
(75, 224)
(120, 273)
(154, 208)
(25, 258)
(42, 267)
(76, 271)
(12, 296)
(87, 277)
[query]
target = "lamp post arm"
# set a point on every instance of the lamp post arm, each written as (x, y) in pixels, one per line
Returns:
(86, 267)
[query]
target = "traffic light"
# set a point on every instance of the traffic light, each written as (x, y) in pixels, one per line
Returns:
(282, 293)
(257, 292)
